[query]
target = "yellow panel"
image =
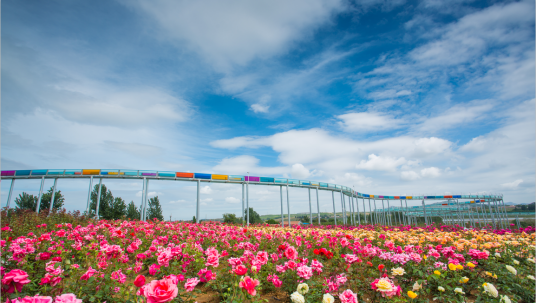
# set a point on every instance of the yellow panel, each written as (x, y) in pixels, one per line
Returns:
(314, 184)
(372, 196)
(121, 173)
(409, 197)
(220, 177)
(90, 171)
(472, 201)
(112, 173)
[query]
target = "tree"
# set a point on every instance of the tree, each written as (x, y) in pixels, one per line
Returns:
(304, 219)
(26, 201)
(118, 209)
(230, 218)
(133, 212)
(254, 217)
(194, 220)
(154, 210)
(531, 206)
(271, 221)
(105, 204)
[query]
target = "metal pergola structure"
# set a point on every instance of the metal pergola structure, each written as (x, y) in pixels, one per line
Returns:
(452, 212)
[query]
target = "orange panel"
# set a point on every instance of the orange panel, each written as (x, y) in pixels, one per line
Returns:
(90, 171)
(219, 177)
(184, 175)
(447, 197)
(397, 197)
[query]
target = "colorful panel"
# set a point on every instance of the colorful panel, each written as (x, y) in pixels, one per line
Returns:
(220, 177)
(90, 171)
(305, 183)
(236, 178)
(402, 197)
(129, 172)
(73, 172)
(252, 179)
(280, 180)
(202, 176)
(323, 184)
(447, 197)
(315, 184)
(148, 174)
(166, 174)
(381, 197)
(39, 172)
(290, 181)
(267, 180)
(409, 198)
(55, 172)
(8, 173)
(184, 175)
(397, 197)
(457, 197)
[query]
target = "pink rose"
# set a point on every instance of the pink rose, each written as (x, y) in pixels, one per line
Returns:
(140, 281)
(35, 299)
(249, 285)
(348, 296)
(305, 272)
(291, 253)
(67, 298)
(160, 291)
(240, 270)
(191, 284)
(15, 279)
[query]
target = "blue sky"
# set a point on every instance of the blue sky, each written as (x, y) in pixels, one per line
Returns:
(389, 97)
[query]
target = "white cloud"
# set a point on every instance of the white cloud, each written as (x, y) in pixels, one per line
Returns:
(430, 172)
(240, 165)
(299, 171)
(259, 108)
(409, 176)
(236, 32)
(178, 201)
(512, 185)
(457, 115)
(381, 163)
(205, 190)
(207, 200)
(389, 94)
(232, 200)
(368, 122)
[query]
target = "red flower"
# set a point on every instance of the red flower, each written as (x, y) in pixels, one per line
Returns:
(249, 285)
(369, 264)
(381, 267)
(140, 281)
(240, 270)
(316, 251)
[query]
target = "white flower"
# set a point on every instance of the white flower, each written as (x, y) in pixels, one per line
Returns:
(505, 299)
(441, 288)
(530, 277)
(296, 297)
(254, 268)
(531, 260)
(399, 271)
(458, 290)
(303, 288)
(498, 255)
(511, 269)
(490, 289)
(416, 286)
(516, 262)
(328, 298)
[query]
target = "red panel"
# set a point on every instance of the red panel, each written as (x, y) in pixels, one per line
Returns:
(184, 175)
(397, 197)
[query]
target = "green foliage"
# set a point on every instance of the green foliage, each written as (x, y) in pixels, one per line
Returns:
(194, 220)
(105, 204)
(118, 209)
(271, 221)
(154, 210)
(132, 212)
(304, 219)
(254, 217)
(26, 201)
(230, 218)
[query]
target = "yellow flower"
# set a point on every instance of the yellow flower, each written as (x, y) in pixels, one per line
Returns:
(424, 257)
(471, 265)
(459, 267)
(437, 272)
(464, 280)
(452, 266)
(384, 285)
(412, 294)
(441, 289)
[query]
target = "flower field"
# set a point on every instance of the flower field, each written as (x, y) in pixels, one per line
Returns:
(68, 258)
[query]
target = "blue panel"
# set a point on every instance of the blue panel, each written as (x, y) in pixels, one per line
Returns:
(23, 172)
(55, 172)
(366, 196)
(391, 197)
(236, 178)
(402, 197)
(129, 172)
(280, 180)
(457, 197)
(166, 174)
(290, 181)
(39, 172)
(305, 182)
(73, 171)
(202, 176)
(465, 197)
(267, 180)
(323, 184)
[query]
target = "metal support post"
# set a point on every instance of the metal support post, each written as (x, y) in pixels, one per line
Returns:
(147, 199)
(364, 212)
(407, 212)
(343, 213)
(491, 215)
(10, 192)
(198, 201)
(53, 195)
(310, 208)
(142, 198)
(282, 211)
(402, 213)
(372, 221)
(390, 220)
(318, 205)
(40, 193)
(334, 211)
(247, 203)
(98, 199)
(505, 213)
(424, 210)
(288, 208)
(383, 213)
(358, 212)
(243, 203)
